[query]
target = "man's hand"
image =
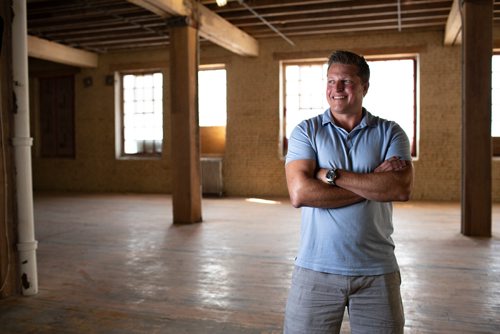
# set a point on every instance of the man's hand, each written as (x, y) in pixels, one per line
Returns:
(392, 164)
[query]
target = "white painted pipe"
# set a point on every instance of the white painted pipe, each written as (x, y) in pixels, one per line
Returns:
(22, 143)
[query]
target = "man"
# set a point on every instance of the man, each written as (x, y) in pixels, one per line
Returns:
(343, 168)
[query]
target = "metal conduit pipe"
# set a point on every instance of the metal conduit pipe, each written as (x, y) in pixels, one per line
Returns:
(22, 143)
(266, 22)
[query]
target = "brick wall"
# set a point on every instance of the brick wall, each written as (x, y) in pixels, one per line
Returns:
(253, 165)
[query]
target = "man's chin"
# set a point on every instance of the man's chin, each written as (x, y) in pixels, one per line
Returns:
(345, 111)
(338, 110)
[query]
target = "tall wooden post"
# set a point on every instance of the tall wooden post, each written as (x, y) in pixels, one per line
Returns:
(476, 112)
(9, 262)
(186, 170)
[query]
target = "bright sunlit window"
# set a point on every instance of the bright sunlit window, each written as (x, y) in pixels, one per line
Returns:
(399, 74)
(142, 113)
(305, 93)
(212, 97)
(305, 89)
(495, 96)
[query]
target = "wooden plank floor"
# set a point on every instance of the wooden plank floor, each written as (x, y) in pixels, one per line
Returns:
(116, 264)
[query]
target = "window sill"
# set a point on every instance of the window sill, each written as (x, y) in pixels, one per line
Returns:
(139, 157)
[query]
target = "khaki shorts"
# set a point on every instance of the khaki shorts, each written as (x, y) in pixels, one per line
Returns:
(317, 301)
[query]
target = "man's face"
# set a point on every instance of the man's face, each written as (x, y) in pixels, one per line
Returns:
(345, 90)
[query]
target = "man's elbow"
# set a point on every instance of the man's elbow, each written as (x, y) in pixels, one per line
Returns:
(296, 205)
(295, 199)
(404, 193)
(404, 197)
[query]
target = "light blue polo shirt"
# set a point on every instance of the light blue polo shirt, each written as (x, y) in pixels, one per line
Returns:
(356, 239)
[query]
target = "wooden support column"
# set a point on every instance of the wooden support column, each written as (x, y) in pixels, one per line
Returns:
(186, 170)
(10, 285)
(476, 117)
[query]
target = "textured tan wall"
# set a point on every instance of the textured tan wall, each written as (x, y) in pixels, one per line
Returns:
(95, 167)
(253, 165)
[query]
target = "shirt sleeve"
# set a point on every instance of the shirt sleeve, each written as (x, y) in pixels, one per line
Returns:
(300, 144)
(399, 145)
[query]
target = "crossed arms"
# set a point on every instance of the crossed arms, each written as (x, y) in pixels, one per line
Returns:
(390, 181)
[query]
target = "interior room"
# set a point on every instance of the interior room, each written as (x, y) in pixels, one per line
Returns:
(143, 158)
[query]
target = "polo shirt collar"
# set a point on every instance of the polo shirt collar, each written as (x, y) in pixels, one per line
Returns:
(367, 120)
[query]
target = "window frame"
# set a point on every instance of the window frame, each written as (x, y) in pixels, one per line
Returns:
(320, 61)
(212, 137)
(120, 100)
(414, 58)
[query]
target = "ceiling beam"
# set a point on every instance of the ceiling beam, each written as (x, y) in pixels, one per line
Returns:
(58, 53)
(219, 31)
(211, 26)
(453, 30)
(163, 8)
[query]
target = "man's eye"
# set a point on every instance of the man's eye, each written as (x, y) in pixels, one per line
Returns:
(348, 82)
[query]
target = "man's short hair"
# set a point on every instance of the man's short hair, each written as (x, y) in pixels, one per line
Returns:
(350, 58)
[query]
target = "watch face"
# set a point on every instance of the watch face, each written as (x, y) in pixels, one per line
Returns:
(330, 176)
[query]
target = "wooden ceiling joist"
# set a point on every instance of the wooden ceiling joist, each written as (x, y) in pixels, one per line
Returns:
(211, 26)
(77, 23)
(453, 30)
(312, 10)
(47, 50)
(221, 32)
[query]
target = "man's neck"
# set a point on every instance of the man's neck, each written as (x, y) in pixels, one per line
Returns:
(348, 121)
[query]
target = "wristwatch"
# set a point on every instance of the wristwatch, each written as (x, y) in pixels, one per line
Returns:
(331, 176)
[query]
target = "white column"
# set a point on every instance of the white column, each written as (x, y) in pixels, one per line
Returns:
(22, 143)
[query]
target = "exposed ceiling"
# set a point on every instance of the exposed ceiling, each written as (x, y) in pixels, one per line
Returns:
(110, 25)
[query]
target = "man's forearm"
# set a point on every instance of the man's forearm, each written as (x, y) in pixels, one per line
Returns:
(306, 190)
(382, 186)
(314, 193)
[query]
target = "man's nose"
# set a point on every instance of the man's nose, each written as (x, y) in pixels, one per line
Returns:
(339, 86)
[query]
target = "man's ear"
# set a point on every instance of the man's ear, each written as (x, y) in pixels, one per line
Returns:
(365, 88)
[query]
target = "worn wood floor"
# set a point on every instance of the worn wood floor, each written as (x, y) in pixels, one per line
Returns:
(116, 264)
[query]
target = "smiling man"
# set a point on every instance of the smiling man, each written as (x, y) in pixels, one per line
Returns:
(344, 168)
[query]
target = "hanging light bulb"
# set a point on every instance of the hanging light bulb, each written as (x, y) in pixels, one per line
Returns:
(221, 3)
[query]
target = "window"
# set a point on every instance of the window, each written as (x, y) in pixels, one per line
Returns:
(401, 108)
(212, 109)
(212, 97)
(142, 114)
(495, 96)
(305, 89)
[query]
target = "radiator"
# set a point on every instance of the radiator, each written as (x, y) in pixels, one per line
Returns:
(211, 176)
